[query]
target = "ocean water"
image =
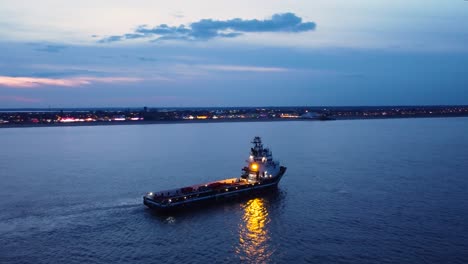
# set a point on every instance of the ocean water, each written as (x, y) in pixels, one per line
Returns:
(358, 191)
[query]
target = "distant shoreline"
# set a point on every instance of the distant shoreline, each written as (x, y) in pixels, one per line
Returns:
(145, 122)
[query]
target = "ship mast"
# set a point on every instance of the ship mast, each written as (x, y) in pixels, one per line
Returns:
(257, 151)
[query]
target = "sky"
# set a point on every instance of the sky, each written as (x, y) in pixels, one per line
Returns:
(111, 53)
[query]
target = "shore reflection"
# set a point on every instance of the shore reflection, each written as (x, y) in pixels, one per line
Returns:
(253, 234)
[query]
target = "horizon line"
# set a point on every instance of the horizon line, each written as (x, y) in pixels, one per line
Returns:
(206, 107)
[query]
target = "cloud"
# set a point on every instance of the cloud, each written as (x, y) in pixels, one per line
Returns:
(111, 39)
(147, 59)
(51, 48)
(46, 47)
(33, 82)
(64, 73)
(206, 29)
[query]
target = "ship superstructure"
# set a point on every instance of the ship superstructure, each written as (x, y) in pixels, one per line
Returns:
(260, 174)
(260, 165)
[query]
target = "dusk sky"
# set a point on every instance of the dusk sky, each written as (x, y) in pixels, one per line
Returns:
(60, 53)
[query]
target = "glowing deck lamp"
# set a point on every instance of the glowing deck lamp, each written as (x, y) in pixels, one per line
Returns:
(254, 166)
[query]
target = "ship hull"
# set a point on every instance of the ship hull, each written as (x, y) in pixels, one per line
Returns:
(218, 196)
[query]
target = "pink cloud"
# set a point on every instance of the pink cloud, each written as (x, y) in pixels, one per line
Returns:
(33, 82)
(20, 99)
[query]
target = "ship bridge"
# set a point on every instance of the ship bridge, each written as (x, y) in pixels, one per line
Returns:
(260, 165)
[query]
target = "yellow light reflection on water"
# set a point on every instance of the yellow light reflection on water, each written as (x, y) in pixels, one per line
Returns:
(253, 234)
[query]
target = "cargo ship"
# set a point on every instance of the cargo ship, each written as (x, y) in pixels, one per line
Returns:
(260, 174)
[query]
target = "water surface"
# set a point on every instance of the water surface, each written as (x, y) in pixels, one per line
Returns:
(360, 191)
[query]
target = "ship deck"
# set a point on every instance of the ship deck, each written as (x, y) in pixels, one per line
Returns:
(200, 188)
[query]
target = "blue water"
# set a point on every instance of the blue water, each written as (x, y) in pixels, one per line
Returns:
(360, 191)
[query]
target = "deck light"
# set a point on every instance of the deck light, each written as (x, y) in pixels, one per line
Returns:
(254, 166)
